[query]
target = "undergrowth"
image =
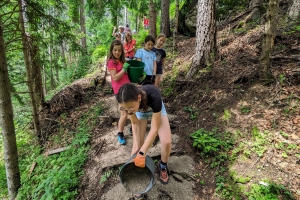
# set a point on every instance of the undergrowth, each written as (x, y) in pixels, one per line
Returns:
(219, 151)
(57, 176)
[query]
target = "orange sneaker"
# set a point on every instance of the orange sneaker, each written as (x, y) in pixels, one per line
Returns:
(163, 175)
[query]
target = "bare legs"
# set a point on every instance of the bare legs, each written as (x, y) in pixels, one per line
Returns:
(122, 121)
(164, 133)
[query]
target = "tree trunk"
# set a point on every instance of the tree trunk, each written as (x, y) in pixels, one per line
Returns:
(205, 37)
(50, 52)
(37, 74)
(7, 125)
(165, 19)
(268, 40)
(82, 27)
(176, 25)
(255, 5)
(152, 19)
(28, 65)
(294, 10)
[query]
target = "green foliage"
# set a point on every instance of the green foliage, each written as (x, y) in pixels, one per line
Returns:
(285, 135)
(105, 176)
(140, 38)
(272, 191)
(3, 183)
(281, 78)
(80, 69)
(212, 143)
(260, 141)
(226, 7)
(98, 53)
(245, 109)
(226, 115)
(226, 188)
(100, 33)
(193, 114)
(57, 176)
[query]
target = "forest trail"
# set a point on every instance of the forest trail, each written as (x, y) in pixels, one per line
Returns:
(263, 121)
(107, 155)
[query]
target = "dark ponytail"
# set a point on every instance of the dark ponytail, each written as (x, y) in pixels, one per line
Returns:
(129, 92)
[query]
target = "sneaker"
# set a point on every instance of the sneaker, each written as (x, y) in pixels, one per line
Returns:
(138, 196)
(163, 175)
(121, 139)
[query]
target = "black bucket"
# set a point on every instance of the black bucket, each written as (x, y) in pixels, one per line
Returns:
(141, 179)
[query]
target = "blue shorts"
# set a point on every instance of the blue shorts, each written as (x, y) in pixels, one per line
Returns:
(145, 115)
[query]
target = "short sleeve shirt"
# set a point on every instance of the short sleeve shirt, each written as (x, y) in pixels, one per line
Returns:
(160, 54)
(128, 46)
(148, 57)
(111, 65)
(154, 100)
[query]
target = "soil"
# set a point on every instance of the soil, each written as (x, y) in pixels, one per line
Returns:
(136, 180)
(230, 85)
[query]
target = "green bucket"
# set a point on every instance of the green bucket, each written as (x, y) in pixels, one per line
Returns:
(135, 70)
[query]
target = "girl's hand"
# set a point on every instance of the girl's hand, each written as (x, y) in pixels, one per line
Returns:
(134, 151)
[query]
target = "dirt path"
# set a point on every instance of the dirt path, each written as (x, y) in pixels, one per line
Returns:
(107, 155)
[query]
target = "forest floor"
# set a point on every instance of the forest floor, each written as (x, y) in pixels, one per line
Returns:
(262, 122)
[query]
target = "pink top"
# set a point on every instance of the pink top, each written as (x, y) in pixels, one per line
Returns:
(118, 67)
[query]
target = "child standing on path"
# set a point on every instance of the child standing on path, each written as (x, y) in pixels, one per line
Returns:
(146, 22)
(160, 57)
(149, 58)
(129, 46)
(121, 32)
(140, 103)
(118, 71)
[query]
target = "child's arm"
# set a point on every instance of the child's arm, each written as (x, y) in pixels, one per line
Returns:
(116, 76)
(154, 67)
(113, 33)
(113, 71)
(154, 64)
(133, 47)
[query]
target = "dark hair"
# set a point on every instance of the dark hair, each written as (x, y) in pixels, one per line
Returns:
(150, 38)
(118, 35)
(129, 92)
(127, 25)
(111, 55)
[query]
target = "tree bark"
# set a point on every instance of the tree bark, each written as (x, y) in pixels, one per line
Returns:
(37, 74)
(176, 25)
(7, 124)
(165, 19)
(28, 66)
(255, 5)
(152, 19)
(294, 10)
(82, 27)
(268, 40)
(205, 37)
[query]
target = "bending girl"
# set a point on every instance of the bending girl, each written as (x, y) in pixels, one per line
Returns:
(141, 102)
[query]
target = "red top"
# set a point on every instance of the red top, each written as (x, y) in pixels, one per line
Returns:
(146, 21)
(129, 46)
